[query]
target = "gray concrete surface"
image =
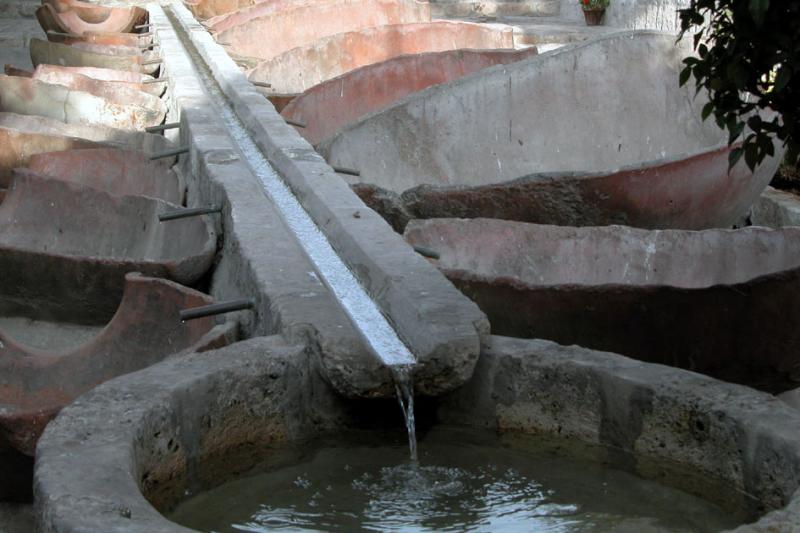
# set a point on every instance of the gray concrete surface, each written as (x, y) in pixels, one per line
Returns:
(16, 518)
(443, 328)
(775, 209)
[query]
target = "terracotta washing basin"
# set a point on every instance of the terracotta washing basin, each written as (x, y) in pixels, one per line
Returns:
(299, 69)
(74, 104)
(302, 24)
(331, 105)
(116, 78)
(116, 171)
(205, 9)
(98, 37)
(35, 383)
(65, 242)
(71, 56)
(719, 302)
(79, 17)
(559, 138)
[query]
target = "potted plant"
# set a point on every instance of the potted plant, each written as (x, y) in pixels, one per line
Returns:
(593, 11)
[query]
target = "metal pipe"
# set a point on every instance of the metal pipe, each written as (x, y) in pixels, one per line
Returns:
(152, 62)
(295, 123)
(190, 212)
(261, 84)
(168, 153)
(217, 309)
(62, 34)
(427, 252)
(142, 26)
(162, 127)
(345, 170)
(154, 80)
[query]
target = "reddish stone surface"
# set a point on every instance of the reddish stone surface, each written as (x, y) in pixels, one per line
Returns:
(206, 9)
(79, 17)
(95, 37)
(116, 78)
(301, 24)
(329, 106)
(36, 384)
(719, 302)
(301, 68)
(119, 172)
(46, 52)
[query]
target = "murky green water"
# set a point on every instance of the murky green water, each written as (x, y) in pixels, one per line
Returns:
(465, 481)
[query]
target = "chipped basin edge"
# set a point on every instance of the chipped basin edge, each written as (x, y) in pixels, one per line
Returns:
(150, 430)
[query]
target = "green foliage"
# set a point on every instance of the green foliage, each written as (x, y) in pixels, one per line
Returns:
(748, 59)
(589, 5)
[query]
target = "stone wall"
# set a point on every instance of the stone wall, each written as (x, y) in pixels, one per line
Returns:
(634, 14)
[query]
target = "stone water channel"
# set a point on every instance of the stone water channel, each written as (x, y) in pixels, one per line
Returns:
(340, 274)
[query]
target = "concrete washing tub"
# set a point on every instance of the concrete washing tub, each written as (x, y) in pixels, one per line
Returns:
(112, 78)
(720, 302)
(138, 444)
(45, 52)
(590, 134)
(79, 17)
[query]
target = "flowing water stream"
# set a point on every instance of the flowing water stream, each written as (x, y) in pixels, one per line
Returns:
(404, 388)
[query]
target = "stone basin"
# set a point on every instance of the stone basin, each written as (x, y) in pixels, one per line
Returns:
(80, 17)
(64, 242)
(589, 134)
(70, 56)
(258, 8)
(206, 9)
(130, 449)
(331, 105)
(36, 382)
(116, 171)
(99, 37)
(42, 130)
(133, 80)
(719, 302)
(299, 69)
(302, 24)
(74, 104)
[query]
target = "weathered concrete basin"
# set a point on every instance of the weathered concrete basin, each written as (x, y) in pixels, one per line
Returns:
(116, 171)
(590, 134)
(32, 128)
(331, 105)
(205, 9)
(133, 80)
(299, 69)
(720, 302)
(71, 245)
(72, 56)
(36, 383)
(80, 17)
(190, 423)
(302, 24)
(99, 37)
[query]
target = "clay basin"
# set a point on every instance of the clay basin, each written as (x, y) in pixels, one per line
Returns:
(80, 17)
(70, 101)
(302, 24)
(42, 130)
(118, 172)
(113, 78)
(205, 9)
(71, 56)
(299, 69)
(329, 106)
(560, 138)
(35, 382)
(65, 242)
(96, 37)
(259, 8)
(719, 302)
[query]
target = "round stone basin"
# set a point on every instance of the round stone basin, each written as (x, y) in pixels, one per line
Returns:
(589, 134)
(141, 443)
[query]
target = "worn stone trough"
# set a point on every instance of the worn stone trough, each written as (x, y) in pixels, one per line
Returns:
(113, 170)
(188, 424)
(293, 25)
(206, 9)
(720, 302)
(73, 243)
(116, 78)
(46, 52)
(74, 98)
(331, 105)
(41, 371)
(299, 69)
(589, 134)
(96, 37)
(79, 17)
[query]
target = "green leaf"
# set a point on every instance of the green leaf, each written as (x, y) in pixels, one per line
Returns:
(782, 79)
(685, 74)
(734, 156)
(707, 110)
(752, 156)
(758, 10)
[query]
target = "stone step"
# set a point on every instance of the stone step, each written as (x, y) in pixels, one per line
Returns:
(466, 8)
